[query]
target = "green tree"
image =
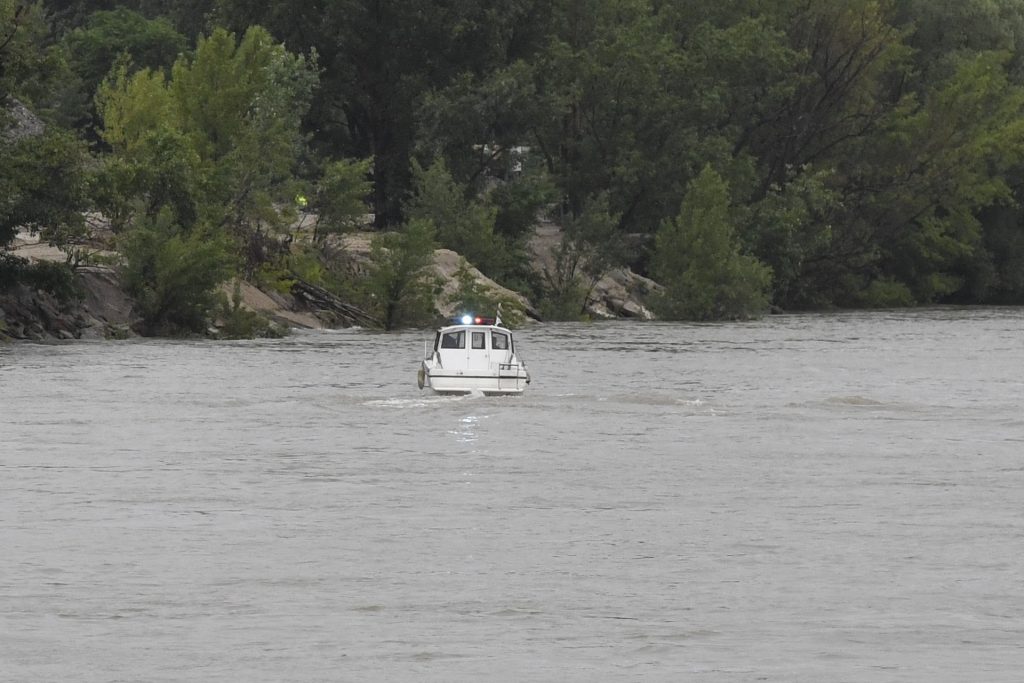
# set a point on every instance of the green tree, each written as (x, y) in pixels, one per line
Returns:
(43, 168)
(943, 159)
(340, 199)
(793, 230)
(848, 64)
(189, 17)
(698, 260)
(108, 36)
(480, 122)
(173, 275)
(241, 104)
(590, 245)
(219, 141)
(43, 187)
(31, 67)
(402, 284)
(942, 32)
(473, 297)
(379, 60)
(464, 225)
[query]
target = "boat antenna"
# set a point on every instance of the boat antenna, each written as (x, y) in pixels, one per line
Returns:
(497, 317)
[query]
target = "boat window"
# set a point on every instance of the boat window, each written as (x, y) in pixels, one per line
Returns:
(454, 340)
(478, 340)
(499, 341)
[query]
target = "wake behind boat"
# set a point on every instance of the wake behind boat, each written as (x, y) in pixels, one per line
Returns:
(477, 354)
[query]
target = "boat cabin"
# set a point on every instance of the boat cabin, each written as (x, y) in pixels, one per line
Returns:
(476, 355)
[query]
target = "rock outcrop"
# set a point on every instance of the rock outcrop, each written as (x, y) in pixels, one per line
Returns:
(619, 293)
(356, 248)
(103, 312)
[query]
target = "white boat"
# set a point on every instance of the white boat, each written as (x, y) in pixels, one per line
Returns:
(475, 355)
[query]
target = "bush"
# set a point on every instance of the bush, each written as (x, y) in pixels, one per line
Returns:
(886, 293)
(56, 278)
(563, 304)
(402, 285)
(340, 199)
(173, 276)
(12, 271)
(698, 260)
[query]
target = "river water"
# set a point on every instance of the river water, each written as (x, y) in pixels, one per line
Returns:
(803, 498)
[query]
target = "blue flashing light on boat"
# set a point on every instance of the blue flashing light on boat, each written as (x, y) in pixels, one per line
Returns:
(467, 320)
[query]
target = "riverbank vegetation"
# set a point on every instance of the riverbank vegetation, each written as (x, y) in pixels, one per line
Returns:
(744, 155)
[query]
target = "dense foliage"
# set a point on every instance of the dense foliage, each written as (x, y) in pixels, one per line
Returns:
(744, 153)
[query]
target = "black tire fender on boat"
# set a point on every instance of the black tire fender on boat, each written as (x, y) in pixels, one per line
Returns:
(420, 376)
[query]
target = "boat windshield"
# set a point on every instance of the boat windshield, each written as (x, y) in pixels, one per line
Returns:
(453, 340)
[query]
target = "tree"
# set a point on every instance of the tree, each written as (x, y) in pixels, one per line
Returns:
(108, 36)
(461, 224)
(379, 60)
(30, 66)
(173, 274)
(219, 141)
(698, 260)
(189, 17)
(944, 31)
(609, 77)
(402, 283)
(847, 81)
(340, 200)
(795, 231)
(914, 194)
(241, 105)
(43, 187)
(590, 246)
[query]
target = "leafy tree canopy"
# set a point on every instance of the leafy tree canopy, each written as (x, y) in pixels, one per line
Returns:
(699, 260)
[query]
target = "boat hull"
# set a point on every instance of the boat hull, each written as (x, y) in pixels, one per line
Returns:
(503, 384)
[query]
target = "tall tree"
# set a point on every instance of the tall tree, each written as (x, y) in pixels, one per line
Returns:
(31, 67)
(107, 35)
(232, 113)
(844, 87)
(699, 259)
(944, 159)
(43, 168)
(379, 58)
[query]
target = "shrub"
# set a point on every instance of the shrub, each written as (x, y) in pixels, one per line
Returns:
(886, 293)
(402, 285)
(173, 276)
(56, 278)
(699, 262)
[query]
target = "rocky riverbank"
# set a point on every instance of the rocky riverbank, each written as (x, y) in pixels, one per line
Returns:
(105, 311)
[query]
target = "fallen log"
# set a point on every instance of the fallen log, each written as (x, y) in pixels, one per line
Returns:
(331, 308)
